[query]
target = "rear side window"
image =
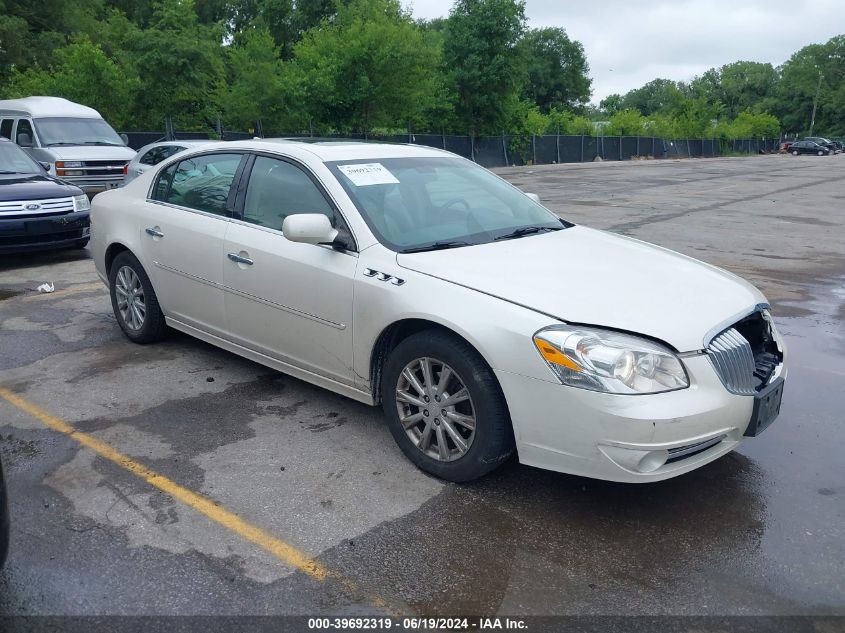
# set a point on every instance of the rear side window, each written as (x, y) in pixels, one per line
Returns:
(158, 154)
(6, 128)
(151, 157)
(201, 182)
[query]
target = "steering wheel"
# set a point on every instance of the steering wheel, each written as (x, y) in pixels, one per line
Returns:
(452, 201)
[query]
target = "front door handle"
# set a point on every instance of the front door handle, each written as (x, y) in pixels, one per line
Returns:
(240, 259)
(154, 231)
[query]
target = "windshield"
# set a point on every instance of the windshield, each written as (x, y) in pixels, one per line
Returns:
(13, 160)
(69, 131)
(428, 203)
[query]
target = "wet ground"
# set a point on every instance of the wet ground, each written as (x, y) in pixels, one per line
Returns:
(760, 531)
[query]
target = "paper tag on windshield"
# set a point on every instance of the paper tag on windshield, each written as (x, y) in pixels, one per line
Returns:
(369, 174)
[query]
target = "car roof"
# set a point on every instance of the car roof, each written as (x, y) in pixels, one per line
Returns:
(182, 142)
(329, 150)
(49, 107)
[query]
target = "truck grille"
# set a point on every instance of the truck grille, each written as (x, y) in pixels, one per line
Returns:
(745, 355)
(36, 208)
(104, 168)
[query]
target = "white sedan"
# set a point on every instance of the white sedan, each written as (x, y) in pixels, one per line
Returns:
(482, 323)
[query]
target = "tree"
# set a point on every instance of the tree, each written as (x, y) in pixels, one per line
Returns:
(370, 67)
(815, 69)
(750, 125)
(483, 61)
(254, 90)
(180, 65)
(557, 70)
(657, 96)
(739, 86)
(78, 67)
(626, 123)
(611, 104)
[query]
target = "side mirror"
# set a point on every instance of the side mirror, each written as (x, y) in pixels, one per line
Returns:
(534, 197)
(24, 140)
(45, 165)
(309, 228)
(125, 139)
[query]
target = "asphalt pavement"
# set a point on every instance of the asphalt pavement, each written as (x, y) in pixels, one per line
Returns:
(231, 489)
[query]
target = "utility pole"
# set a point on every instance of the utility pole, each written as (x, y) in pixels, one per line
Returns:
(815, 104)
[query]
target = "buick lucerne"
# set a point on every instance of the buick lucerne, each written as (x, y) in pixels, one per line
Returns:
(481, 322)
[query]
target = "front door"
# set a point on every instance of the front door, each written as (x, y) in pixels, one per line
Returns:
(183, 232)
(288, 300)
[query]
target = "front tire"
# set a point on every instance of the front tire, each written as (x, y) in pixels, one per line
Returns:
(134, 301)
(821, 153)
(445, 408)
(795, 152)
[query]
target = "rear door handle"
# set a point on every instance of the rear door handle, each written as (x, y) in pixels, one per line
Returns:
(154, 231)
(240, 259)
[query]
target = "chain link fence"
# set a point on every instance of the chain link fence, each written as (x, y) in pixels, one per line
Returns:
(514, 150)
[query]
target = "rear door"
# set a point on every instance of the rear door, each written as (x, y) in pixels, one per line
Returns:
(186, 220)
(288, 300)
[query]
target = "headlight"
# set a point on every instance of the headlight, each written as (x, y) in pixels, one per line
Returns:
(81, 203)
(68, 163)
(602, 360)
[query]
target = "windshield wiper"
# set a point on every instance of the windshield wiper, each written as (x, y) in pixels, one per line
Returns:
(103, 143)
(59, 143)
(437, 246)
(6, 171)
(526, 230)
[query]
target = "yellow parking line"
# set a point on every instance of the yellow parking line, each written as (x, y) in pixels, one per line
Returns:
(285, 552)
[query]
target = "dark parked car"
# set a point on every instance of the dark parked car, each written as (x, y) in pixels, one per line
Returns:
(833, 146)
(4, 518)
(37, 210)
(808, 147)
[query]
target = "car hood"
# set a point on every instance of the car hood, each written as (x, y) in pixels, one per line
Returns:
(91, 152)
(14, 187)
(585, 276)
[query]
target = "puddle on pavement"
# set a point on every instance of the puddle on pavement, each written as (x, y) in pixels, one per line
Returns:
(8, 294)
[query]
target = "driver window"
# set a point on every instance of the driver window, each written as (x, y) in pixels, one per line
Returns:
(203, 182)
(24, 127)
(278, 189)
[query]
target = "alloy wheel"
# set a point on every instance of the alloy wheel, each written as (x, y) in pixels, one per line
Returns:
(130, 298)
(435, 409)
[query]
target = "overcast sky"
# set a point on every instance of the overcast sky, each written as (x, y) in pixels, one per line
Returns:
(630, 42)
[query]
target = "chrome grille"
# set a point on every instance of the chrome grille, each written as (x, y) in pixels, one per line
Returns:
(733, 360)
(105, 168)
(682, 452)
(44, 207)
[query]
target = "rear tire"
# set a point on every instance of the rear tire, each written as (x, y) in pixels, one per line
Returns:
(460, 429)
(795, 152)
(821, 153)
(134, 301)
